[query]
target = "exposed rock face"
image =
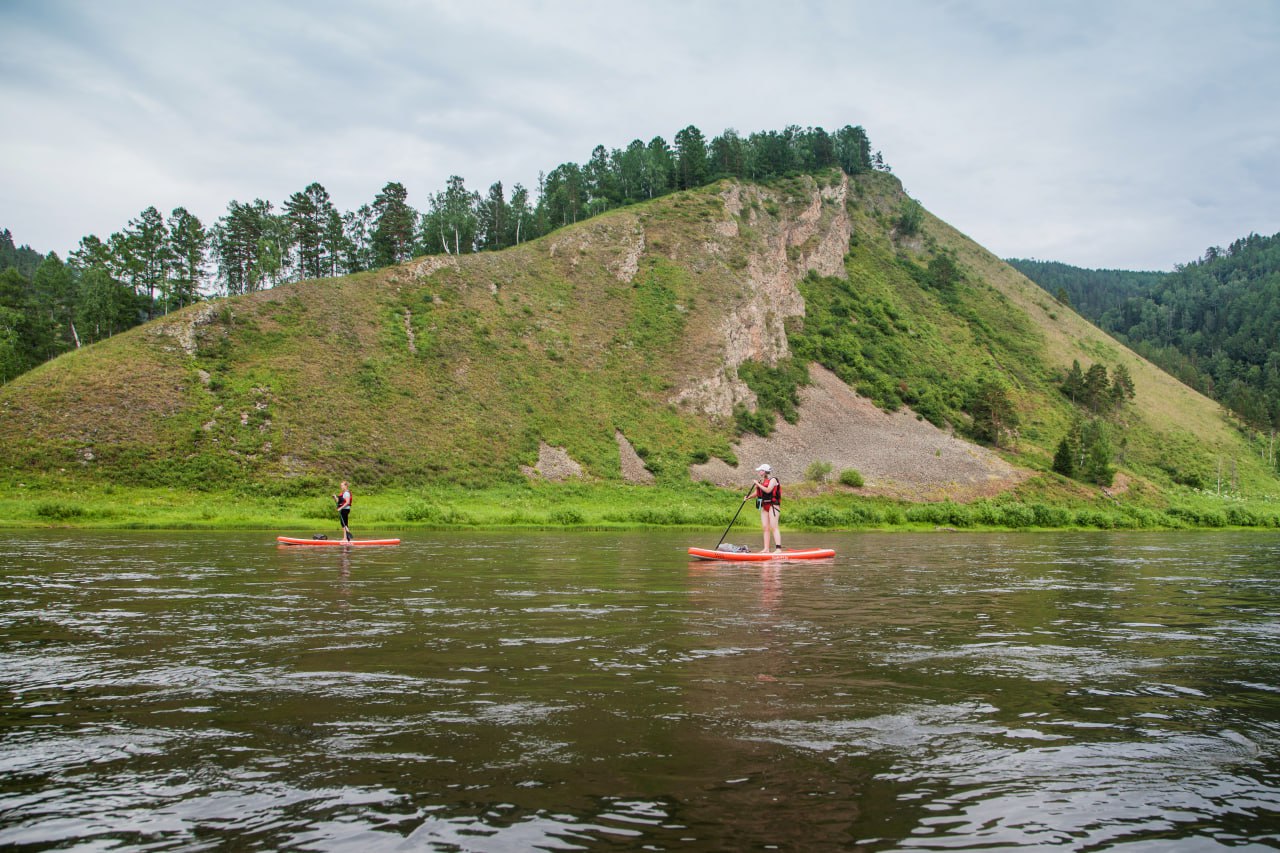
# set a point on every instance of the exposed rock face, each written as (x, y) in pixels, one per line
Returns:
(785, 248)
(633, 467)
(434, 263)
(185, 327)
(621, 239)
(554, 464)
(897, 454)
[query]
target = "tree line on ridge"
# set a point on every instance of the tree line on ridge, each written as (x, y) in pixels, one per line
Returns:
(156, 264)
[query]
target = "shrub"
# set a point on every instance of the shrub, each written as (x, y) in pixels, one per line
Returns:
(1017, 515)
(940, 513)
(758, 422)
(567, 516)
(985, 512)
(815, 516)
(1050, 516)
(57, 511)
(850, 477)
(1094, 518)
(894, 516)
(420, 510)
(817, 471)
(859, 515)
(1239, 516)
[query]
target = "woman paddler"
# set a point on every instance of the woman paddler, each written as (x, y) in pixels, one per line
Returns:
(768, 495)
(344, 509)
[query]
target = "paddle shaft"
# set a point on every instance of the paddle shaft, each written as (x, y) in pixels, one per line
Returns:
(735, 518)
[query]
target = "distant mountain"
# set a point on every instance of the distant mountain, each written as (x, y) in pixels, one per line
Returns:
(1213, 323)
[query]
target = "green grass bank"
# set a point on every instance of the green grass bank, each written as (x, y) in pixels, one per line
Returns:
(586, 505)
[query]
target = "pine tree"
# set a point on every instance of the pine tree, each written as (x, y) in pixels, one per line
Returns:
(357, 235)
(394, 225)
(1097, 466)
(659, 168)
(992, 409)
(1097, 388)
(239, 240)
(1064, 459)
(308, 214)
(493, 214)
(1122, 390)
(188, 245)
(691, 158)
(147, 240)
(104, 306)
(53, 290)
(1073, 385)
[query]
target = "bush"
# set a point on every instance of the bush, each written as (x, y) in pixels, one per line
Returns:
(1239, 516)
(817, 471)
(660, 516)
(947, 513)
(815, 516)
(1017, 515)
(858, 515)
(850, 477)
(420, 510)
(567, 517)
(1050, 516)
(759, 422)
(57, 511)
(1094, 518)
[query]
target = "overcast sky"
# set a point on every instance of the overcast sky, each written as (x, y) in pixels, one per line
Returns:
(1114, 134)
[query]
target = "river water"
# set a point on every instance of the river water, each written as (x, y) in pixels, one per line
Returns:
(519, 691)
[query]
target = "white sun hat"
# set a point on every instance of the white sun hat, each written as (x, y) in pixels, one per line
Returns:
(765, 468)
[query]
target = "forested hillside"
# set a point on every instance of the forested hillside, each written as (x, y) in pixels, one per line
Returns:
(22, 258)
(1091, 292)
(1214, 323)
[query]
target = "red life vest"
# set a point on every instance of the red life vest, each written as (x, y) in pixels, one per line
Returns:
(771, 498)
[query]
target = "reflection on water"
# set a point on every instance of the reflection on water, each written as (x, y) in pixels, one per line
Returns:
(517, 691)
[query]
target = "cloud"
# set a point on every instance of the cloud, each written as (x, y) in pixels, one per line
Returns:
(1122, 134)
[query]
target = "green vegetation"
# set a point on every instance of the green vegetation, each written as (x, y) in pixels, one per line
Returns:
(851, 478)
(591, 506)
(777, 391)
(1212, 323)
(817, 472)
(1091, 292)
(435, 386)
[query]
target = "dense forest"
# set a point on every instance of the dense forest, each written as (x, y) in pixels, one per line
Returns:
(156, 264)
(1091, 292)
(1213, 323)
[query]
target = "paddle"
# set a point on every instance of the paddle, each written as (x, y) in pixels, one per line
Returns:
(735, 518)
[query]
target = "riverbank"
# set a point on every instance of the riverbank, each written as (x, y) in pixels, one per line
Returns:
(604, 506)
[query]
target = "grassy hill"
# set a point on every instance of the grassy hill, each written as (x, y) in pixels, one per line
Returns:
(628, 329)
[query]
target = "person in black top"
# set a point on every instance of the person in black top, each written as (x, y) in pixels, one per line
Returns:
(344, 509)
